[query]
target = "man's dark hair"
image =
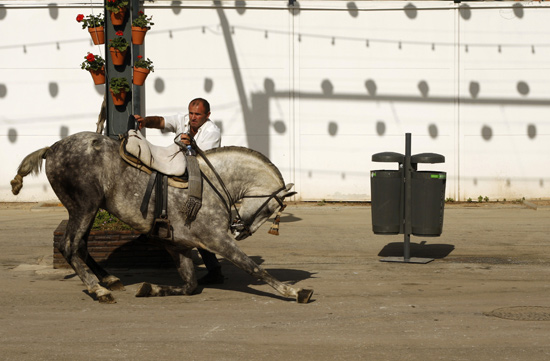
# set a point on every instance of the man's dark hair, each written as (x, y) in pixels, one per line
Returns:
(204, 103)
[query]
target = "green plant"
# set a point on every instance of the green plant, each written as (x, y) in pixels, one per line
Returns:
(90, 21)
(486, 199)
(142, 21)
(145, 64)
(119, 42)
(105, 221)
(469, 200)
(115, 6)
(479, 199)
(118, 85)
(449, 200)
(92, 62)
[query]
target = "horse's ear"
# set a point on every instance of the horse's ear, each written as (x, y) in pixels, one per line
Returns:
(289, 194)
(286, 192)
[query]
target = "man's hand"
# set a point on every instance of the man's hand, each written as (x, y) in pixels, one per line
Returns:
(140, 120)
(185, 139)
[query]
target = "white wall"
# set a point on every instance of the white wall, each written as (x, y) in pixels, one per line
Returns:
(318, 88)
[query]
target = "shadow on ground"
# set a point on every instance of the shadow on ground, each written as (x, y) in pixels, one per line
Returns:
(421, 250)
(235, 278)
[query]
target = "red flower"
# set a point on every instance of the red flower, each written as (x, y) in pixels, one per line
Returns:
(119, 33)
(90, 57)
(79, 17)
(140, 12)
(140, 57)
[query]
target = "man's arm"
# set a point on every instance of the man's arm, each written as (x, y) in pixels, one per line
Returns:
(150, 122)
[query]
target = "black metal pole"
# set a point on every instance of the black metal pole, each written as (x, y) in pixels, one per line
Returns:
(117, 116)
(408, 196)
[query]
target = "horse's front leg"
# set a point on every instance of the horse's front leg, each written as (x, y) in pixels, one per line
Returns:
(232, 253)
(186, 269)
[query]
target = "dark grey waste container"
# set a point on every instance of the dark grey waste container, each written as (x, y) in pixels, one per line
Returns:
(386, 193)
(427, 203)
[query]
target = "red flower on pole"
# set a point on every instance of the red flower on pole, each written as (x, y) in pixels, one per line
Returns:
(80, 17)
(140, 57)
(90, 57)
(119, 33)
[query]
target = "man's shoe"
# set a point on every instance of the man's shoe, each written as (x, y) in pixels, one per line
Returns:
(212, 278)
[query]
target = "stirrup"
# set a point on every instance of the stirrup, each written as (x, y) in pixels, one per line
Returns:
(162, 228)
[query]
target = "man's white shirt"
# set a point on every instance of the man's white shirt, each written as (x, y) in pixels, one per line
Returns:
(207, 137)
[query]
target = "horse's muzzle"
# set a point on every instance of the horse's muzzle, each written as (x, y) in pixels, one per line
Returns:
(240, 231)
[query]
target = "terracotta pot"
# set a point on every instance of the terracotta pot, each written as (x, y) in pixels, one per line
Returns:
(138, 35)
(117, 57)
(97, 34)
(118, 99)
(118, 18)
(139, 75)
(98, 76)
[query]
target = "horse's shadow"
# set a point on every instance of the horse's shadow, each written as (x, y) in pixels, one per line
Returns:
(235, 278)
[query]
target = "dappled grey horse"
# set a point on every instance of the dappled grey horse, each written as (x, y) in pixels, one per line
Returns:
(87, 173)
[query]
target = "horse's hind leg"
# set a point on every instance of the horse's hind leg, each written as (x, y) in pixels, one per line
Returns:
(112, 282)
(186, 269)
(73, 247)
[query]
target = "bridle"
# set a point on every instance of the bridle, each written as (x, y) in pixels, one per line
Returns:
(238, 224)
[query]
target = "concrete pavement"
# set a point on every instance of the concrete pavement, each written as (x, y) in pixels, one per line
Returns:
(484, 297)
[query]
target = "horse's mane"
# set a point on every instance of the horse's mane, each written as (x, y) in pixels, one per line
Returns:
(247, 151)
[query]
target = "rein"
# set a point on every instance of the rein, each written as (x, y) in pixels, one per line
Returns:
(238, 224)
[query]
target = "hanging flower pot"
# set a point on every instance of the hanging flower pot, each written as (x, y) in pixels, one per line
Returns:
(97, 34)
(140, 25)
(95, 64)
(118, 99)
(140, 74)
(119, 87)
(118, 17)
(95, 24)
(138, 35)
(118, 47)
(117, 56)
(142, 68)
(117, 8)
(98, 76)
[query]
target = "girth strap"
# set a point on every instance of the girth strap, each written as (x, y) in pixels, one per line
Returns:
(147, 196)
(161, 196)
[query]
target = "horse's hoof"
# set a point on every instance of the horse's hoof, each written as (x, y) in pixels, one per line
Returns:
(144, 290)
(106, 298)
(304, 296)
(114, 283)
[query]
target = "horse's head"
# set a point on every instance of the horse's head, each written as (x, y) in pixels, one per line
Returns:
(256, 209)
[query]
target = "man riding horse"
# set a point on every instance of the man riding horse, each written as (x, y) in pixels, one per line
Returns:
(207, 135)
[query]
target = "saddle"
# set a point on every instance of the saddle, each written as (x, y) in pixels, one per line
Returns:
(137, 151)
(166, 166)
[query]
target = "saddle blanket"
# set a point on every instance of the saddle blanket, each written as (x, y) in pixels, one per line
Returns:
(168, 160)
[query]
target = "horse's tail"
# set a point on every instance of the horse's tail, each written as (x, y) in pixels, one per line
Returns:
(31, 163)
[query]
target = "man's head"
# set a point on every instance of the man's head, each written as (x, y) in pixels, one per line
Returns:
(199, 111)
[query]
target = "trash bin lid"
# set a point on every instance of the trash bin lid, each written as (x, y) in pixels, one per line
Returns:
(428, 158)
(388, 157)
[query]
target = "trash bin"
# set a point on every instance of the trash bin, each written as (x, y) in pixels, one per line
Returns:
(428, 197)
(386, 195)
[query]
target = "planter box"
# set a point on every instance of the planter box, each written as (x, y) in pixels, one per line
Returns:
(118, 249)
